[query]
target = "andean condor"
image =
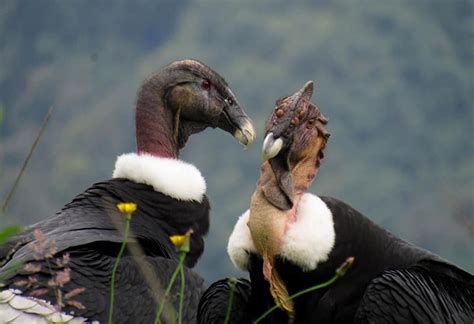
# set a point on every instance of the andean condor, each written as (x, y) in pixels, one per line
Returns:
(181, 99)
(291, 240)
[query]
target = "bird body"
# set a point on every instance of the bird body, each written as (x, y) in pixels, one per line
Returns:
(85, 229)
(68, 260)
(280, 183)
(376, 252)
(391, 280)
(305, 239)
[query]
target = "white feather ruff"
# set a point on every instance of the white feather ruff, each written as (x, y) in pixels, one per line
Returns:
(310, 239)
(307, 242)
(240, 243)
(172, 177)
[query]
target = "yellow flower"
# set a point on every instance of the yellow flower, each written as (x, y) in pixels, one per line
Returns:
(127, 208)
(181, 242)
(178, 240)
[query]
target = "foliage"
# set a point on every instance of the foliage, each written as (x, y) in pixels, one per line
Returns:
(26, 161)
(44, 254)
(181, 242)
(7, 232)
(340, 272)
(394, 78)
(127, 210)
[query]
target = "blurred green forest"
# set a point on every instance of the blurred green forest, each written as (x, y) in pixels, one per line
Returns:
(395, 78)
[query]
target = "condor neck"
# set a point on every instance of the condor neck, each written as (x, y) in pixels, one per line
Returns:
(154, 124)
(303, 175)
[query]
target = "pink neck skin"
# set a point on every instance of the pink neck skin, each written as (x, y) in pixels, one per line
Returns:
(303, 175)
(154, 126)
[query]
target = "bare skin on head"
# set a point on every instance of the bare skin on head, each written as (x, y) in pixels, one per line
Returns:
(293, 147)
(182, 99)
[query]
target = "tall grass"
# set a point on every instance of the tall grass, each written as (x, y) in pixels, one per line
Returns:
(27, 160)
(9, 231)
(181, 242)
(127, 210)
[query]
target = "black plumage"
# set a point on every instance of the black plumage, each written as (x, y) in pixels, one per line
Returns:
(391, 280)
(416, 295)
(214, 303)
(85, 230)
(183, 98)
(379, 255)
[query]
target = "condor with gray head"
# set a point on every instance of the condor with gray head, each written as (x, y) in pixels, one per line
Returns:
(181, 99)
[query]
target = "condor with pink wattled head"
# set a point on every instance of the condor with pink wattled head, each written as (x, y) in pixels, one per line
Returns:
(291, 240)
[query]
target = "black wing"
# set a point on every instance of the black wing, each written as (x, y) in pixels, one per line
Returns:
(91, 269)
(86, 231)
(418, 295)
(88, 219)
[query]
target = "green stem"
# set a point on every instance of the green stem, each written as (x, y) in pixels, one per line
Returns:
(299, 293)
(114, 270)
(168, 289)
(341, 271)
(181, 294)
(27, 160)
(231, 300)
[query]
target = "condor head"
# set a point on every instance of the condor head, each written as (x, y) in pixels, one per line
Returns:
(295, 137)
(182, 99)
(201, 98)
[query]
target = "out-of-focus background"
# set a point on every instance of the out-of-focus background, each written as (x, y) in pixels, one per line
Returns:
(395, 78)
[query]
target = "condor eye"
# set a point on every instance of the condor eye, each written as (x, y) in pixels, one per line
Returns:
(205, 85)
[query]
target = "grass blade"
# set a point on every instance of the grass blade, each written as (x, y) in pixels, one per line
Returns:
(27, 159)
(232, 282)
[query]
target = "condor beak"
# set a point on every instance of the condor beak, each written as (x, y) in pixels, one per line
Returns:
(245, 133)
(281, 196)
(235, 121)
(271, 147)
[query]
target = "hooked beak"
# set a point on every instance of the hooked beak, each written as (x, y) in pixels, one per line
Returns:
(235, 121)
(271, 147)
(281, 195)
(245, 133)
